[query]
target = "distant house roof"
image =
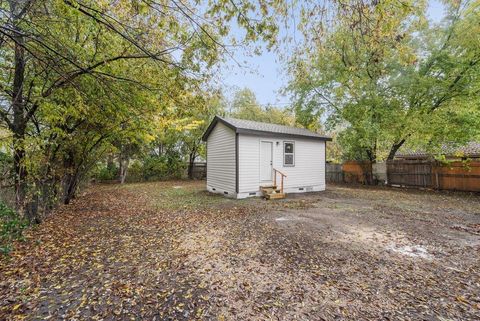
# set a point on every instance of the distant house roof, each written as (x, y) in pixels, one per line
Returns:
(255, 127)
(470, 150)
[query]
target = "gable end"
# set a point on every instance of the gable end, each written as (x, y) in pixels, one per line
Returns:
(212, 125)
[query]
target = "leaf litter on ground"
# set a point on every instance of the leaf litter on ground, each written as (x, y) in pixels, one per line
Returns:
(157, 251)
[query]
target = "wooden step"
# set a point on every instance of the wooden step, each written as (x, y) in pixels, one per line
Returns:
(274, 196)
(271, 192)
(269, 187)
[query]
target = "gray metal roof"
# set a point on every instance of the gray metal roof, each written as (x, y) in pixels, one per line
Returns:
(255, 127)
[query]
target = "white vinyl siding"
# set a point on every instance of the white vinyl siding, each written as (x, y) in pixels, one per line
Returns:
(308, 172)
(309, 169)
(249, 163)
(221, 166)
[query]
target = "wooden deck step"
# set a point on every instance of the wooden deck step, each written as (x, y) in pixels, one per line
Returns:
(269, 186)
(271, 192)
(274, 196)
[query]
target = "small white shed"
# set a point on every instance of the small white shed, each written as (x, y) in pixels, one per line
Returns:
(243, 156)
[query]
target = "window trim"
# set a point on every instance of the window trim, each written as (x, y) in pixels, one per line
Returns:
(284, 153)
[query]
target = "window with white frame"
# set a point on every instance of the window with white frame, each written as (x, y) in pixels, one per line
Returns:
(288, 154)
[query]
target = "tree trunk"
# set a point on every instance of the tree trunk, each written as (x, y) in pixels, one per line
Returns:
(371, 154)
(124, 170)
(19, 123)
(191, 161)
(70, 183)
(70, 178)
(160, 149)
(120, 166)
(395, 148)
(110, 163)
(123, 161)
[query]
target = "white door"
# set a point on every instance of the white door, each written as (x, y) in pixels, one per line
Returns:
(266, 161)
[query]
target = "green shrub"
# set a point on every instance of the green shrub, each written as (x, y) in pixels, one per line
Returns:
(107, 173)
(163, 167)
(135, 172)
(11, 228)
(148, 168)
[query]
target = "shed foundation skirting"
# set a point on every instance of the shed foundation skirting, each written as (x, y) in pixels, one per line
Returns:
(221, 191)
(301, 189)
(304, 189)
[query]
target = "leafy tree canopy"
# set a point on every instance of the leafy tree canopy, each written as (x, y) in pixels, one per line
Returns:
(244, 105)
(384, 76)
(80, 79)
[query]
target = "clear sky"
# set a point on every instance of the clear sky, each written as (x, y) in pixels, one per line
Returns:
(265, 75)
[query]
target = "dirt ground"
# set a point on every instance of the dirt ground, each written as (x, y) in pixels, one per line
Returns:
(171, 251)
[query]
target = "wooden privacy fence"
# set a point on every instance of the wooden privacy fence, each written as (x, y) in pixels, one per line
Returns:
(334, 173)
(352, 172)
(349, 172)
(199, 170)
(357, 172)
(410, 173)
(430, 174)
(458, 176)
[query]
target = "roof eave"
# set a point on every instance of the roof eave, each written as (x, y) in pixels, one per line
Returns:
(217, 119)
(273, 134)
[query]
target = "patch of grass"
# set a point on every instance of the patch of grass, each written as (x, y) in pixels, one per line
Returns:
(191, 195)
(177, 195)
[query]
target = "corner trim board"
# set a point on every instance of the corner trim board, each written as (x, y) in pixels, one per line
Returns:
(236, 163)
(325, 162)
